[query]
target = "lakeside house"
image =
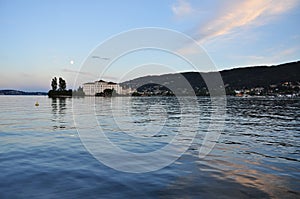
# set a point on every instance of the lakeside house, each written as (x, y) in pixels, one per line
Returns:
(92, 88)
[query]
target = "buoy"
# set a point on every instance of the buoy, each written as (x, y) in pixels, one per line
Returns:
(37, 104)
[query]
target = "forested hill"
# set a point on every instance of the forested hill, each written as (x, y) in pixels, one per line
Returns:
(237, 78)
(262, 75)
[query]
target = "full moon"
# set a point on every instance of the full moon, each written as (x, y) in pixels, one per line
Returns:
(72, 62)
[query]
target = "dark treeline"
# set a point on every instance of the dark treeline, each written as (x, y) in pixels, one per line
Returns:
(59, 89)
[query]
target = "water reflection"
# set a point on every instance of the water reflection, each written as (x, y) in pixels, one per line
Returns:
(62, 106)
(204, 181)
(257, 156)
(58, 113)
(156, 111)
(54, 105)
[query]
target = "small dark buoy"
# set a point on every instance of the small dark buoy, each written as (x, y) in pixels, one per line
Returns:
(37, 104)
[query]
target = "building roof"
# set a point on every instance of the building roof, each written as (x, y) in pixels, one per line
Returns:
(112, 83)
(100, 81)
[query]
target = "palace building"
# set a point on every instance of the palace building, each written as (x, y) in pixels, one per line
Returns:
(92, 88)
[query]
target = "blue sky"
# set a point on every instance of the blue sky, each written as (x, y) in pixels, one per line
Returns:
(42, 39)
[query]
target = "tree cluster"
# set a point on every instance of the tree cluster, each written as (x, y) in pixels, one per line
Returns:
(61, 86)
(61, 90)
(79, 92)
(107, 93)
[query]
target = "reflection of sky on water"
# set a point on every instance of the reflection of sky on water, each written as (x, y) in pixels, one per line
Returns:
(257, 156)
(226, 179)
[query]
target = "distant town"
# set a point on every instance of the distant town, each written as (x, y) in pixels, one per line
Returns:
(285, 89)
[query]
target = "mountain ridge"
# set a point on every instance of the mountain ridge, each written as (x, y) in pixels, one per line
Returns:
(234, 79)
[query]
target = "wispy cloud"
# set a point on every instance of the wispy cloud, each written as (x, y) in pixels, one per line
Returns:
(181, 8)
(288, 51)
(29, 75)
(240, 14)
(237, 16)
(270, 57)
(91, 75)
(78, 72)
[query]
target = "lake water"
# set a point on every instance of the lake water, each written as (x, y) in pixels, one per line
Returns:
(41, 154)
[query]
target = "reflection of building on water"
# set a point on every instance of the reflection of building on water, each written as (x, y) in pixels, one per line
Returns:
(92, 88)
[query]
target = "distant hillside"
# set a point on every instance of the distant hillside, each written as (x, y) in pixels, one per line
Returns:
(16, 92)
(262, 75)
(238, 78)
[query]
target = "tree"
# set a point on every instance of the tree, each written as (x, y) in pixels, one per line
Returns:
(54, 84)
(62, 84)
(61, 91)
(80, 89)
(108, 92)
(79, 92)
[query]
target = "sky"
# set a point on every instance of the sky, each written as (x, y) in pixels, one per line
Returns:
(43, 39)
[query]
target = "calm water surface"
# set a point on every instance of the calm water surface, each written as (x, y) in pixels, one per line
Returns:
(256, 156)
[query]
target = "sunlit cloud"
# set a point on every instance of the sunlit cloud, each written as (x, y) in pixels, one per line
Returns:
(181, 8)
(241, 14)
(187, 50)
(236, 17)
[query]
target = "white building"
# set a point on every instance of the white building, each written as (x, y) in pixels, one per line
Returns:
(93, 88)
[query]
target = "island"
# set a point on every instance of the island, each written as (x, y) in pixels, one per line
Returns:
(59, 90)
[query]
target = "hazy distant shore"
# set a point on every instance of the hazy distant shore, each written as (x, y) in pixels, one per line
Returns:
(18, 92)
